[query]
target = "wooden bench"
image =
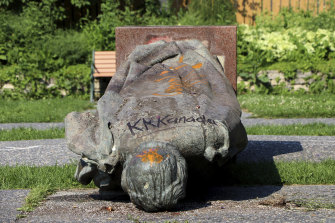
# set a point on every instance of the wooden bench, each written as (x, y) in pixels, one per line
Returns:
(220, 40)
(103, 69)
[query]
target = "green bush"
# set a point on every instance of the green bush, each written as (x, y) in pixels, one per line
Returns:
(42, 59)
(288, 18)
(70, 46)
(218, 12)
(33, 51)
(75, 79)
(289, 42)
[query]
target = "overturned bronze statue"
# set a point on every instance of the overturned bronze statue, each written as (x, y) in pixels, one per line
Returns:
(168, 111)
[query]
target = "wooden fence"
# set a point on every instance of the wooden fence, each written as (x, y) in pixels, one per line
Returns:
(248, 9)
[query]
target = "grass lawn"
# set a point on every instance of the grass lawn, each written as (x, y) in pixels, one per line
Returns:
(268, 106)
(57, 177)
(46, 110)
(29, 134)
(41, 180)
(289, 106)
(315, 129)
(287, 173)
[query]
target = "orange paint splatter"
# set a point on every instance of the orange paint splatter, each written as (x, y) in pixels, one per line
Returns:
(174, 85)
(197, 66)
(181, 66)
(164, 72)
(159, 80)
(151, 156)
(167, 95)
(181, 59)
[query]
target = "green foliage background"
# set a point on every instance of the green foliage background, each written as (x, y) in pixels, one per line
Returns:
(46, 45)
(290, 42)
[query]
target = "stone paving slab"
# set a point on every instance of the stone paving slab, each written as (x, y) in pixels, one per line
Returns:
(288, 121)
(217, 204)
(288, 148)
(40, 126)
(260, 148)
(246, 120)
(44, 152)
(10, 200)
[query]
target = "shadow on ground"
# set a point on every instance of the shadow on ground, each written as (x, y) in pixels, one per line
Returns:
(254, 166)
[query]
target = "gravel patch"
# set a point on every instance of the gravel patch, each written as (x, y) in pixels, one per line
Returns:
(304, 121)
(45, 152)
(40, 126)
(10, 200)
(260, 148)
(288, 148)
(218, 204)
(248, 121)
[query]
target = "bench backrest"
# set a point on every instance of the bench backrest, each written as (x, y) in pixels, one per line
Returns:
(104, 63)
(220, 40)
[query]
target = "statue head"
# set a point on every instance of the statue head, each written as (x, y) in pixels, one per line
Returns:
(155, 176)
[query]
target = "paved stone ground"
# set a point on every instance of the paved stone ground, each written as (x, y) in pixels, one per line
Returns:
(10, 200)
(236, 209)
(311, 148)
(41, 126)
(260, 148)
(36, 152)
(217, 204)
(246, 120)
(221, 204)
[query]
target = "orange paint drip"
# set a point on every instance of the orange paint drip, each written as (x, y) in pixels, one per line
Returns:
(151, 156)
(197, 66)
(189, 74)
(164, 72)
(189, 84)
(174, 86)
(167, 95)
(181, 66)
(181, 59)
(159, 80)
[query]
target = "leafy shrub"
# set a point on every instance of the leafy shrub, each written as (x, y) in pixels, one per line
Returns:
(75, 79)
(101, 34)
(288, 18)
(218, 12)
(69, 46)
(290, 42)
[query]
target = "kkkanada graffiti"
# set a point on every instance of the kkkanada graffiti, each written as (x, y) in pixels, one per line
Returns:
(145, 124)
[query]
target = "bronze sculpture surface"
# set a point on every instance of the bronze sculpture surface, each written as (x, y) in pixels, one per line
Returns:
(168, 110)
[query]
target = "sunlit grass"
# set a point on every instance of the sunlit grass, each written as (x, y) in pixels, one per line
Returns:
(285, 173)
(315, 129)
(41, 180)
(30, 133)
(289, 106)
(263, 173)
(46, 110)
(22, 177)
